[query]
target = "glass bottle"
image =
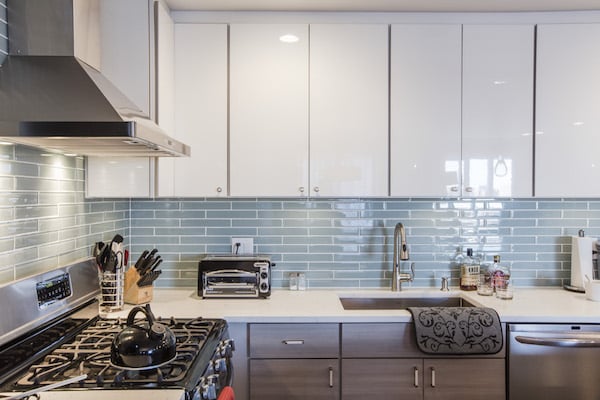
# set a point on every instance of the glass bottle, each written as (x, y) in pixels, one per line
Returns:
(469, 272)
(499, 272)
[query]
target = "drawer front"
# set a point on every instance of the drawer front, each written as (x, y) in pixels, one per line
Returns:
(294, 340)
(379, 340)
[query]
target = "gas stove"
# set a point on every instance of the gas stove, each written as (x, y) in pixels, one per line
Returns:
(73, 354)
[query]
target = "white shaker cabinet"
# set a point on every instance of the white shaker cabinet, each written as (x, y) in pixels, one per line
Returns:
(269, 110)
(497, 110)
(200, 113)
(127, 46)
(567, 111)
(425, 103)
(348, 110)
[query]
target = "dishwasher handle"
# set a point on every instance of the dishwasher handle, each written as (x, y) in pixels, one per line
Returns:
(562, 341)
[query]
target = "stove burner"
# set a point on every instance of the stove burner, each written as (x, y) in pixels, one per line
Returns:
(89, 353)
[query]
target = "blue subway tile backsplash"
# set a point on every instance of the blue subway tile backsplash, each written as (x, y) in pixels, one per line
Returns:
(339, 243)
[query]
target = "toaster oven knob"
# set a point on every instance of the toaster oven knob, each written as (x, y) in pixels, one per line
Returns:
(264, 286)
(264, 275)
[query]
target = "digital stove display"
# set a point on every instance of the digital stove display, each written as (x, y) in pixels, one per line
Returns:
(52, 290)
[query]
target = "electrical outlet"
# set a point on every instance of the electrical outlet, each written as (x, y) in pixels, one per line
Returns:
(246, 245)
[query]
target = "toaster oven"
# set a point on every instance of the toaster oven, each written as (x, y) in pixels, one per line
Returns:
(234, 276)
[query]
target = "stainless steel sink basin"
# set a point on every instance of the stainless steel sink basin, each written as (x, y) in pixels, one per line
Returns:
(399, 303)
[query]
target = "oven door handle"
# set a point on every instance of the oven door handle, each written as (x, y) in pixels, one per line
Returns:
(562, 341)
(46, 387)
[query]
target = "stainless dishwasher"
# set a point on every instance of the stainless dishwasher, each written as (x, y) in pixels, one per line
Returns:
(553, 362)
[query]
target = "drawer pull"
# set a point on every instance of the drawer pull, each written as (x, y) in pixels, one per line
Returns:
(416, 377)
(295, 341)
(432, 377)
(330, 377)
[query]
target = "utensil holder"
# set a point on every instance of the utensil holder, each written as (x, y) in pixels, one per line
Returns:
(135, 294)
(111, 291)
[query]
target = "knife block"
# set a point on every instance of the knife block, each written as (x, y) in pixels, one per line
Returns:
(135, 294)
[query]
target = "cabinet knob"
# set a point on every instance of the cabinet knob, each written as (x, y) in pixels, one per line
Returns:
(468, 189)
(219, 189)
(301, 189)
(316, 189)
(454, 189)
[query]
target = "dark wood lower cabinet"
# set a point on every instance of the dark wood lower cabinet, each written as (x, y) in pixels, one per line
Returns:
(382, 379)
(464, 379)
(428, 379)
(294, 379)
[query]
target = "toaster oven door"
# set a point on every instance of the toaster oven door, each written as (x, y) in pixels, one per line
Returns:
(230, 283)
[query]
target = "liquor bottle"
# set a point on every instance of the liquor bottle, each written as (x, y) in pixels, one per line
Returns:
(469, 272)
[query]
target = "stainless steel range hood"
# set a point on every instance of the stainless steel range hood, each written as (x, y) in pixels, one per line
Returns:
(51, 96)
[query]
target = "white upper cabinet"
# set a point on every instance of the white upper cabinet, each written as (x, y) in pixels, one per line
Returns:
(568, 111)
(127, 46)
(269, 110)
(348, 110)
(200, 111)
(497, 111)
(425, 103)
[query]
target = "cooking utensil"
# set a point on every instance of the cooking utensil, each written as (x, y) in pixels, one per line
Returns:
(144, 345)
(45, 388)
(140, 260)
(148, 278)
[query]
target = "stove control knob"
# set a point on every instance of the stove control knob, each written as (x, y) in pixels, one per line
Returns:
(229, 342)
(220, 365)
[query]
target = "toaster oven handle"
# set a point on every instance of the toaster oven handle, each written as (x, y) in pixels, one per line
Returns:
(225, 272)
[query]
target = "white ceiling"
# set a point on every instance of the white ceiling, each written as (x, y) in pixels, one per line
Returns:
(386, 5)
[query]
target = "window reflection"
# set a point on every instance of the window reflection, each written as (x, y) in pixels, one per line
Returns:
(489, 177)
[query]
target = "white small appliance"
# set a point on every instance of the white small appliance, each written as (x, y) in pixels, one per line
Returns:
(583, 253)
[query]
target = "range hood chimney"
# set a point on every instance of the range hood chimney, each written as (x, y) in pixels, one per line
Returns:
(52, 94)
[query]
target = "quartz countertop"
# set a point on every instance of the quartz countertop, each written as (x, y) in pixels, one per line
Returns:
(528, 305)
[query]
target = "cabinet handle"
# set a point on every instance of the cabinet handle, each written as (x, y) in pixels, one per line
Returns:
(301, 189)
(468, 189)
(330, 377)
(416, 377)
(316, 189)
(432, 377)
(454, 189)
(219, 189)
(294, 341)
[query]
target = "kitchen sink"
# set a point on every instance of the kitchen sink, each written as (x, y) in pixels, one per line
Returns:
(399, 303)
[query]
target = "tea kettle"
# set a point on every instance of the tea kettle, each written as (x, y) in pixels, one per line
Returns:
(145, 345)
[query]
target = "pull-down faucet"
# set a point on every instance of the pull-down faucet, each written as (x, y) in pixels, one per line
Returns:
(400, 254)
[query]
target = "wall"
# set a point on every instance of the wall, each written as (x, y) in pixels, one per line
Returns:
(349, 242)
(44, 220)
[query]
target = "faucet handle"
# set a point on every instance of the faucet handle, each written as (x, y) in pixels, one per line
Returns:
(445, 287)
(412, 271)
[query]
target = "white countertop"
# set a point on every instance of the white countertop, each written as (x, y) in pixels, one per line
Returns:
(528, 305)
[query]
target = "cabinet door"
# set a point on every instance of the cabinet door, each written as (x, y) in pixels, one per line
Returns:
(425, 90)
(382, 379)
(497, 140)
(465, 379)
(125, 39)
(165, 91)
(294, 379)
(567, 111)
(349, 110)
(269, 110)
(200, 112)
